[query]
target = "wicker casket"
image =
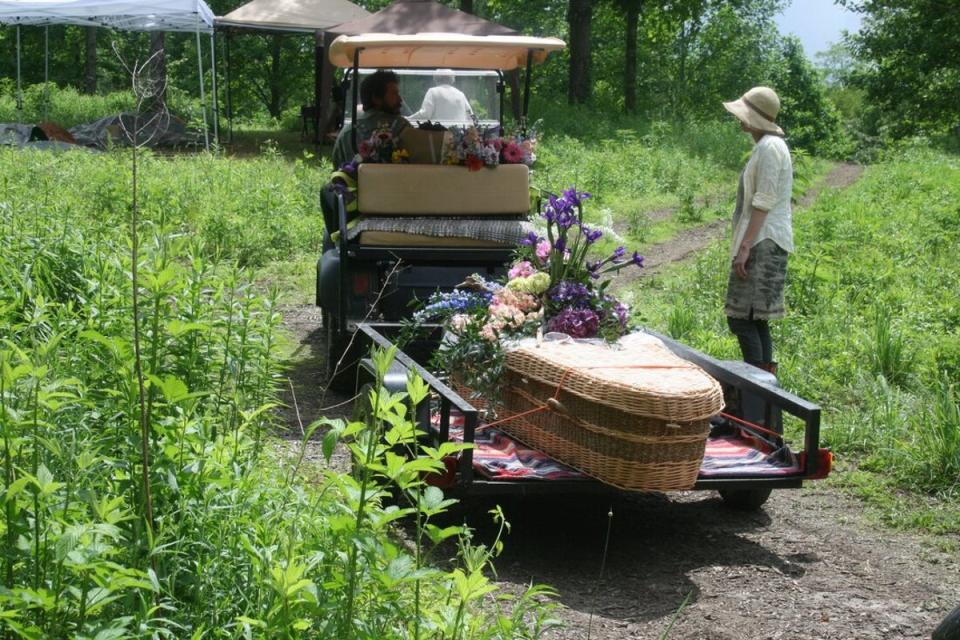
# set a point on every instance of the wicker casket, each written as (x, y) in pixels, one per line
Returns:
(633, 415)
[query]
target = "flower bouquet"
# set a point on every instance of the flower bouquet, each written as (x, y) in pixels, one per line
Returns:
(555, 284)
(476, 149)
(382, 146)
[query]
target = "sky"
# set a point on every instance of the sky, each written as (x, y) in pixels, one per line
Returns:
(818, 23)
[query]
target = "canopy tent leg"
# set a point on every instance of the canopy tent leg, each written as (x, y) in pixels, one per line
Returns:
(203, 96)
(229, 39)
(46, 72)
(213, 71)
(19, 85)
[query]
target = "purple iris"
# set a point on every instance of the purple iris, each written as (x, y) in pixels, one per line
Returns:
(560, 245)
(531, 240)
(571, 294)
(591, 235)
(566, 219)
(573, 197)
(618, 254)
(637, 259)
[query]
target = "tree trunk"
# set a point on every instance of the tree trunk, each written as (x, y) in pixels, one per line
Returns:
(90, 61)
(276, 86)
(466, 6)
(630, 55)
(158, 70)
(579, 16)
(516, 95)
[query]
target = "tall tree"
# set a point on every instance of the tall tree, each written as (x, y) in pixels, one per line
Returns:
(632, 9)
(90, 61)
(911, 75)
(579, 19)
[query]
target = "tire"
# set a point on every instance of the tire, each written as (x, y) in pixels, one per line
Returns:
(949, 629)
(744, 499)
(336, 346)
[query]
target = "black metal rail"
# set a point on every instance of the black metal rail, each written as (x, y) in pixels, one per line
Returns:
(467, 484)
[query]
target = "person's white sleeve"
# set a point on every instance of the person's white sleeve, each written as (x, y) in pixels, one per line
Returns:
(769, 166)
(426, 109)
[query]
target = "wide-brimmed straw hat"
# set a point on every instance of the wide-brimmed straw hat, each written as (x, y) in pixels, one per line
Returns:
(758, 109)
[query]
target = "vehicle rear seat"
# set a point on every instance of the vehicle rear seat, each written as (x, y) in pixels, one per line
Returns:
(393, 193)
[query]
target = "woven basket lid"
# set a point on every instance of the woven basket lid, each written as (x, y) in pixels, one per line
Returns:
(638, 374)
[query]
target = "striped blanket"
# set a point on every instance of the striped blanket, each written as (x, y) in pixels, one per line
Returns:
(497, 456)
(743, 456)
(505, 231)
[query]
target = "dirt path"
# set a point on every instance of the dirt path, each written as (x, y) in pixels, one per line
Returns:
(690, 241)
(809, 566)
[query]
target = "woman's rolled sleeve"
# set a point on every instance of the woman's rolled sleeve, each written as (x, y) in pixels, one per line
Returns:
(769, 165)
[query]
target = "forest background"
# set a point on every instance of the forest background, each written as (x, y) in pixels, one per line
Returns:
(664, 60)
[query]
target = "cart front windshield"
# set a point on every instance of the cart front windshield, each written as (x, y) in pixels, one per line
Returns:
(445, 96)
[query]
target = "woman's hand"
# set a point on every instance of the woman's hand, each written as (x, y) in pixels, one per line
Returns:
(740, 262)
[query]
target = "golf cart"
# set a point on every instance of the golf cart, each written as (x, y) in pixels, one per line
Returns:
(397, 247)
(421, 226)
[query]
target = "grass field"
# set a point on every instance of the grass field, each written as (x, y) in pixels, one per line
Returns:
(212, 533)
(872, 330)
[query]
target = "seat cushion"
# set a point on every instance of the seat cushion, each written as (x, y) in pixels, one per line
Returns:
(422, 189)
(398, 239)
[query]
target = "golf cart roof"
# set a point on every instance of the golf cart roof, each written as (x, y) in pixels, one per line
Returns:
(432, 50)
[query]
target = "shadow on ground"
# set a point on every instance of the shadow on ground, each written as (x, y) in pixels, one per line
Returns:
(656, 543)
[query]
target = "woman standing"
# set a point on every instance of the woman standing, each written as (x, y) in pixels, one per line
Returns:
(762, 229)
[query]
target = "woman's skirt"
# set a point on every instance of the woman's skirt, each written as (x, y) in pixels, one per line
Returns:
(759, 296)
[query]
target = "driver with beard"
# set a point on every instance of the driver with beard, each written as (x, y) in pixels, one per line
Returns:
(380, 97)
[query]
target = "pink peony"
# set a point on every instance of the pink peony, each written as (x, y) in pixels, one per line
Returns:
(521, 270)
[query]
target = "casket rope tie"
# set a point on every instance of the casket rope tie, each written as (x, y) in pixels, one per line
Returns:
(747, 423)
(553, 404)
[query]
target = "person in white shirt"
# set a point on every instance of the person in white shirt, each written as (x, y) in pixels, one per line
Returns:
(762, 229)
(444, 102)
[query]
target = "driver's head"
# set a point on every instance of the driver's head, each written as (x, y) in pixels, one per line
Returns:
(443, 76)
(381, 91)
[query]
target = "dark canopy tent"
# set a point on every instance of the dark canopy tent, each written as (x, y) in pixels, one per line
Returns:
(293, 16)
(408, 17)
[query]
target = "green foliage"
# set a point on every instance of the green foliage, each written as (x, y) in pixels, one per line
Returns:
(252, 211)
(809, 118)
(67, 107)
(239, 545)
(872, 325)
(908, 51)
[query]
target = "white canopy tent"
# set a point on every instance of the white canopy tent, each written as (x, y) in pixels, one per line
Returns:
(190, 16)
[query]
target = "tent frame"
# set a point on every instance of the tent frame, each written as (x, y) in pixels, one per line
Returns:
(47, 16)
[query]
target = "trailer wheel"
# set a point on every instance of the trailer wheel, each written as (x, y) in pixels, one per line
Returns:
(744, 499)
(949, 629)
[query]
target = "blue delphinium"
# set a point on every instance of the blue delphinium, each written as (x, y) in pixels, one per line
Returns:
(444, 305)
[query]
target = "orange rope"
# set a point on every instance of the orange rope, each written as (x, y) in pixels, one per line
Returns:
(751, 425)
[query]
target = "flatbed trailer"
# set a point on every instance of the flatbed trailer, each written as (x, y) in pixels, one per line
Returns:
(754, 392)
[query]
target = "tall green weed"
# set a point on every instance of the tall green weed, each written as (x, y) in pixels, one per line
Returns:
(238, 545)
(68, 107)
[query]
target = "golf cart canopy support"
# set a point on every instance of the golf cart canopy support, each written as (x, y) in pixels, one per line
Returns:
(439, 50)
(452, 50)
